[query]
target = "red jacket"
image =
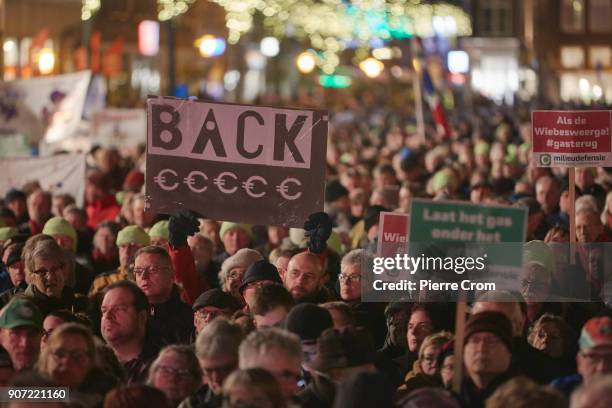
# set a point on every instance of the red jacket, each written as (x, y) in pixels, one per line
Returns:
(99, 211)
(185, 273)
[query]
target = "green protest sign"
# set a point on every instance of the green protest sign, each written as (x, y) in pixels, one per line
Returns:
(498, 230)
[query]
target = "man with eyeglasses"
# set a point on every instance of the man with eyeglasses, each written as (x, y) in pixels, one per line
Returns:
(487, 355)
(20, 332)
(170, 316)
(217, 352)
(594, 359)
(125, 316)
(212, 304)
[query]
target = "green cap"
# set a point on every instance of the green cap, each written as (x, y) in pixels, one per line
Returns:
(160, 229)
(441, 180)
(20, 312)
(119, 196)
(539, 252)
(226, 226)
(58, 225)
(7, 232)
(133, 234)
(482, 147)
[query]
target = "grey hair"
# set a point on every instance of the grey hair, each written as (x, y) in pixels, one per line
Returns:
(185, 351)
(219, 337)
(355, 257)
(261, 342)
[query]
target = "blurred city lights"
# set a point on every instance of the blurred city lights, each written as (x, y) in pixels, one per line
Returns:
(46, 61)
(269, 47)
(255, 60)
(597, 91)
(89, 8)
(210, 46)
(383, 53)
(371, 67)
(148, 37)
(335, 81)
(306, 62)
(458, 62)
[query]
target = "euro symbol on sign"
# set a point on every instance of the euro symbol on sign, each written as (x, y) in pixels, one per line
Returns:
(250, 183)
(160, 179)
(190, 181)
(283, 189)
(220, 182)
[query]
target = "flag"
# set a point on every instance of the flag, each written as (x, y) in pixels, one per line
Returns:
(434, 102)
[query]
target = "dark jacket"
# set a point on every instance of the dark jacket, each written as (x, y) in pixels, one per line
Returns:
(7, 295)
(532, 362)
(202, 398)
(473, 397)
(46, 304)
(320, 393)
(172, 320)
(137, 370)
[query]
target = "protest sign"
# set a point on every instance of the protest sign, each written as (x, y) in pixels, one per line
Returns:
(43, 109)
(57, 174)
(392, 234)
(119, 127)
(232, 162)
(571, 138)
(494, 232)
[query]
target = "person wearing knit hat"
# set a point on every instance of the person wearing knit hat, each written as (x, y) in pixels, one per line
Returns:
(442, 181)
(16, 267)
(160, 234)
(233, 270)
(6, 233)
(487, 355)
(133, 181)
(339, 353)
(595, 346)
(15, 201)
(308, 321)
(235, 236)
(129, 240)
(259, 274)
(335, 191)
(63, 233)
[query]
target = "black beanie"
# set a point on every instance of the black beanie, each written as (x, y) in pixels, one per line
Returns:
(334, 190)
(260, 271)
(371, 216)
(308, 321)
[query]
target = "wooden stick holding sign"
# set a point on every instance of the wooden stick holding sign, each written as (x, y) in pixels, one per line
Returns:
(459, 337)
(572, 214)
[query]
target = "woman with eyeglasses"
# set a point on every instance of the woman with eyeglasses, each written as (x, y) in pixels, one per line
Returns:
(176, 372)
(69, 359)
(425, 370)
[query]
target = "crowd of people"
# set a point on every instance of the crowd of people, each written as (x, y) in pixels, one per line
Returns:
(129, 308)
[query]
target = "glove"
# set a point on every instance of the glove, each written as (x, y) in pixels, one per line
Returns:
(181, 225)
(318, 228)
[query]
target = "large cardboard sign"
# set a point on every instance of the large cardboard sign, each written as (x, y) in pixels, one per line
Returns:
(233, 162)
(571, 138)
